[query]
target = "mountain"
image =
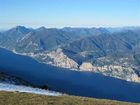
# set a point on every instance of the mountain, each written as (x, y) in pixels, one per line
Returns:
(115, 44)
(10, 38)
(25, 39)
(84, 32)
(120, 29)
(43, 39)
(115, 54)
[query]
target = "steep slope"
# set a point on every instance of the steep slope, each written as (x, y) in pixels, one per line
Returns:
(106, 44)
(10, 38)
(43, 39)
(91, 48)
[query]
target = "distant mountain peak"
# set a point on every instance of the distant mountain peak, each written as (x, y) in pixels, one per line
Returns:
(42, 28)
(20, 29)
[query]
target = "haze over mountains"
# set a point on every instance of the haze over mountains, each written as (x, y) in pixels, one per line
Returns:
(110, 51)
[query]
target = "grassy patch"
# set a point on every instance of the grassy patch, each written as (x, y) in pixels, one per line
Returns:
(16, 98)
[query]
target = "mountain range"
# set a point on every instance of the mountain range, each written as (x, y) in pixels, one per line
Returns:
(112, 52)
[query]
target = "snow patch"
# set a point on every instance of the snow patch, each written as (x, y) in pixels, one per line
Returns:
(27, 89)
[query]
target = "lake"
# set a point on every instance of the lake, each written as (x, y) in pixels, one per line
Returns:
(87, 84)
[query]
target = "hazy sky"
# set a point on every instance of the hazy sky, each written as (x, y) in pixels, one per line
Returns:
(63, 13)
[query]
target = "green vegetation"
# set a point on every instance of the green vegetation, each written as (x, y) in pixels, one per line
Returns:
(16, 98)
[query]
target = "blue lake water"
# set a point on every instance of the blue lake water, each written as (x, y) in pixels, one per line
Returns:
(72, 82)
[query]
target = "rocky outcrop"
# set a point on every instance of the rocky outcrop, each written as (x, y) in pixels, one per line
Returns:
(86, 66)
(61, 60)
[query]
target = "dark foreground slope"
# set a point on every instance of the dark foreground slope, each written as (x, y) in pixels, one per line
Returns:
(14, 98)
(71, 82)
